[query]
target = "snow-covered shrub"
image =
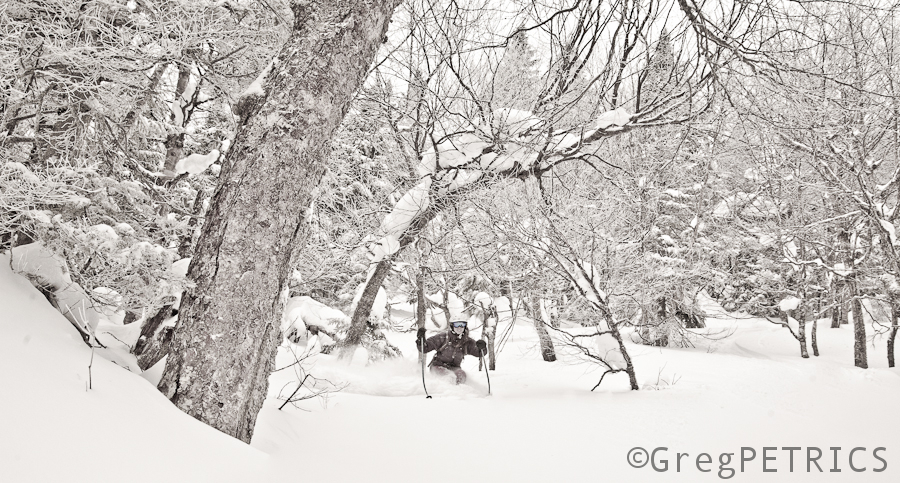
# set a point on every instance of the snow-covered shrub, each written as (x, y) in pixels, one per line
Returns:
(96, 114)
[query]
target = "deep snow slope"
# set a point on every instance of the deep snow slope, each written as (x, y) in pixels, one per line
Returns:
(750, 389)
(55, 429)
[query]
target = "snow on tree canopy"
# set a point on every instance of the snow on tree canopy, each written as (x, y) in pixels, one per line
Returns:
(616, 117)
(747, 204)
(36, 260)
(788, 304)
(107, 233)
(436, 315)
(124, 229)
(842, 270)
(303, 312)
(483, 300)
(889, 228)
(386, 246)
(514, 127)
(256, 88)
(514, 122)
(464, 177)
(26, 173)
(409, 206)
(452, 153)
(564, 141)
(766, 240)
(42, 216)
(196, 163)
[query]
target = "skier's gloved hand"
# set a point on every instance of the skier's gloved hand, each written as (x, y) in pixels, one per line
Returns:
(420, 338)
(482, 347)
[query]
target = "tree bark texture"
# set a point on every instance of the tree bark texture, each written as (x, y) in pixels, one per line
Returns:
(548, 353)
(859, 330)
(815, 344)
(840, 310)
(490, 335)
(420, 304)
(364, 309)
(152, 343)
(175, 140)
(224, 345)
(895, 312)
(800, 315)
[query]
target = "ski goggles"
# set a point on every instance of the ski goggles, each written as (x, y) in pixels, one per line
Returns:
(458, 325)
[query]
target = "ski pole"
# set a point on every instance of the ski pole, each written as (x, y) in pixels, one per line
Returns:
(487, 371)
(422, 357)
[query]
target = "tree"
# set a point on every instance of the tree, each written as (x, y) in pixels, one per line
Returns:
(476, 146)
(89, 93)
(224, 345)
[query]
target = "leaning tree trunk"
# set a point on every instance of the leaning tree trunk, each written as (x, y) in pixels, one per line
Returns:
(614, 332)
(154, 339)
(373, 283)
(224, 344)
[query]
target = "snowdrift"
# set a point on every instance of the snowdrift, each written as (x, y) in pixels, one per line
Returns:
(541, 423)
(66, 422)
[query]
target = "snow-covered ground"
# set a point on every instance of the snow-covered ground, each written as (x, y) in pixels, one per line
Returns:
(750, 389)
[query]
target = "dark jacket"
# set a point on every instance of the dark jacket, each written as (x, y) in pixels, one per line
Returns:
(451, 348)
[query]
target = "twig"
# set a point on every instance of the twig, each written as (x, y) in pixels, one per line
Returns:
(90, 384)
(293, 393)
(608, 371)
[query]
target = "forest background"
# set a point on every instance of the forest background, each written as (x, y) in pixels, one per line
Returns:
(598, 164)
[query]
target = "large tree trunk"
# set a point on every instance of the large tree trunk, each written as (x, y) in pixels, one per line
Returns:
(224, 344)
(364, 309)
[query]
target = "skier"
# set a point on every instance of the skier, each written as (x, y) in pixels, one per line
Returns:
(451, 347)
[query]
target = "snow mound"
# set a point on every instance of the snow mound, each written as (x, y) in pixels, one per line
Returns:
(94, 424)
(196, 163)
(400, 377)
